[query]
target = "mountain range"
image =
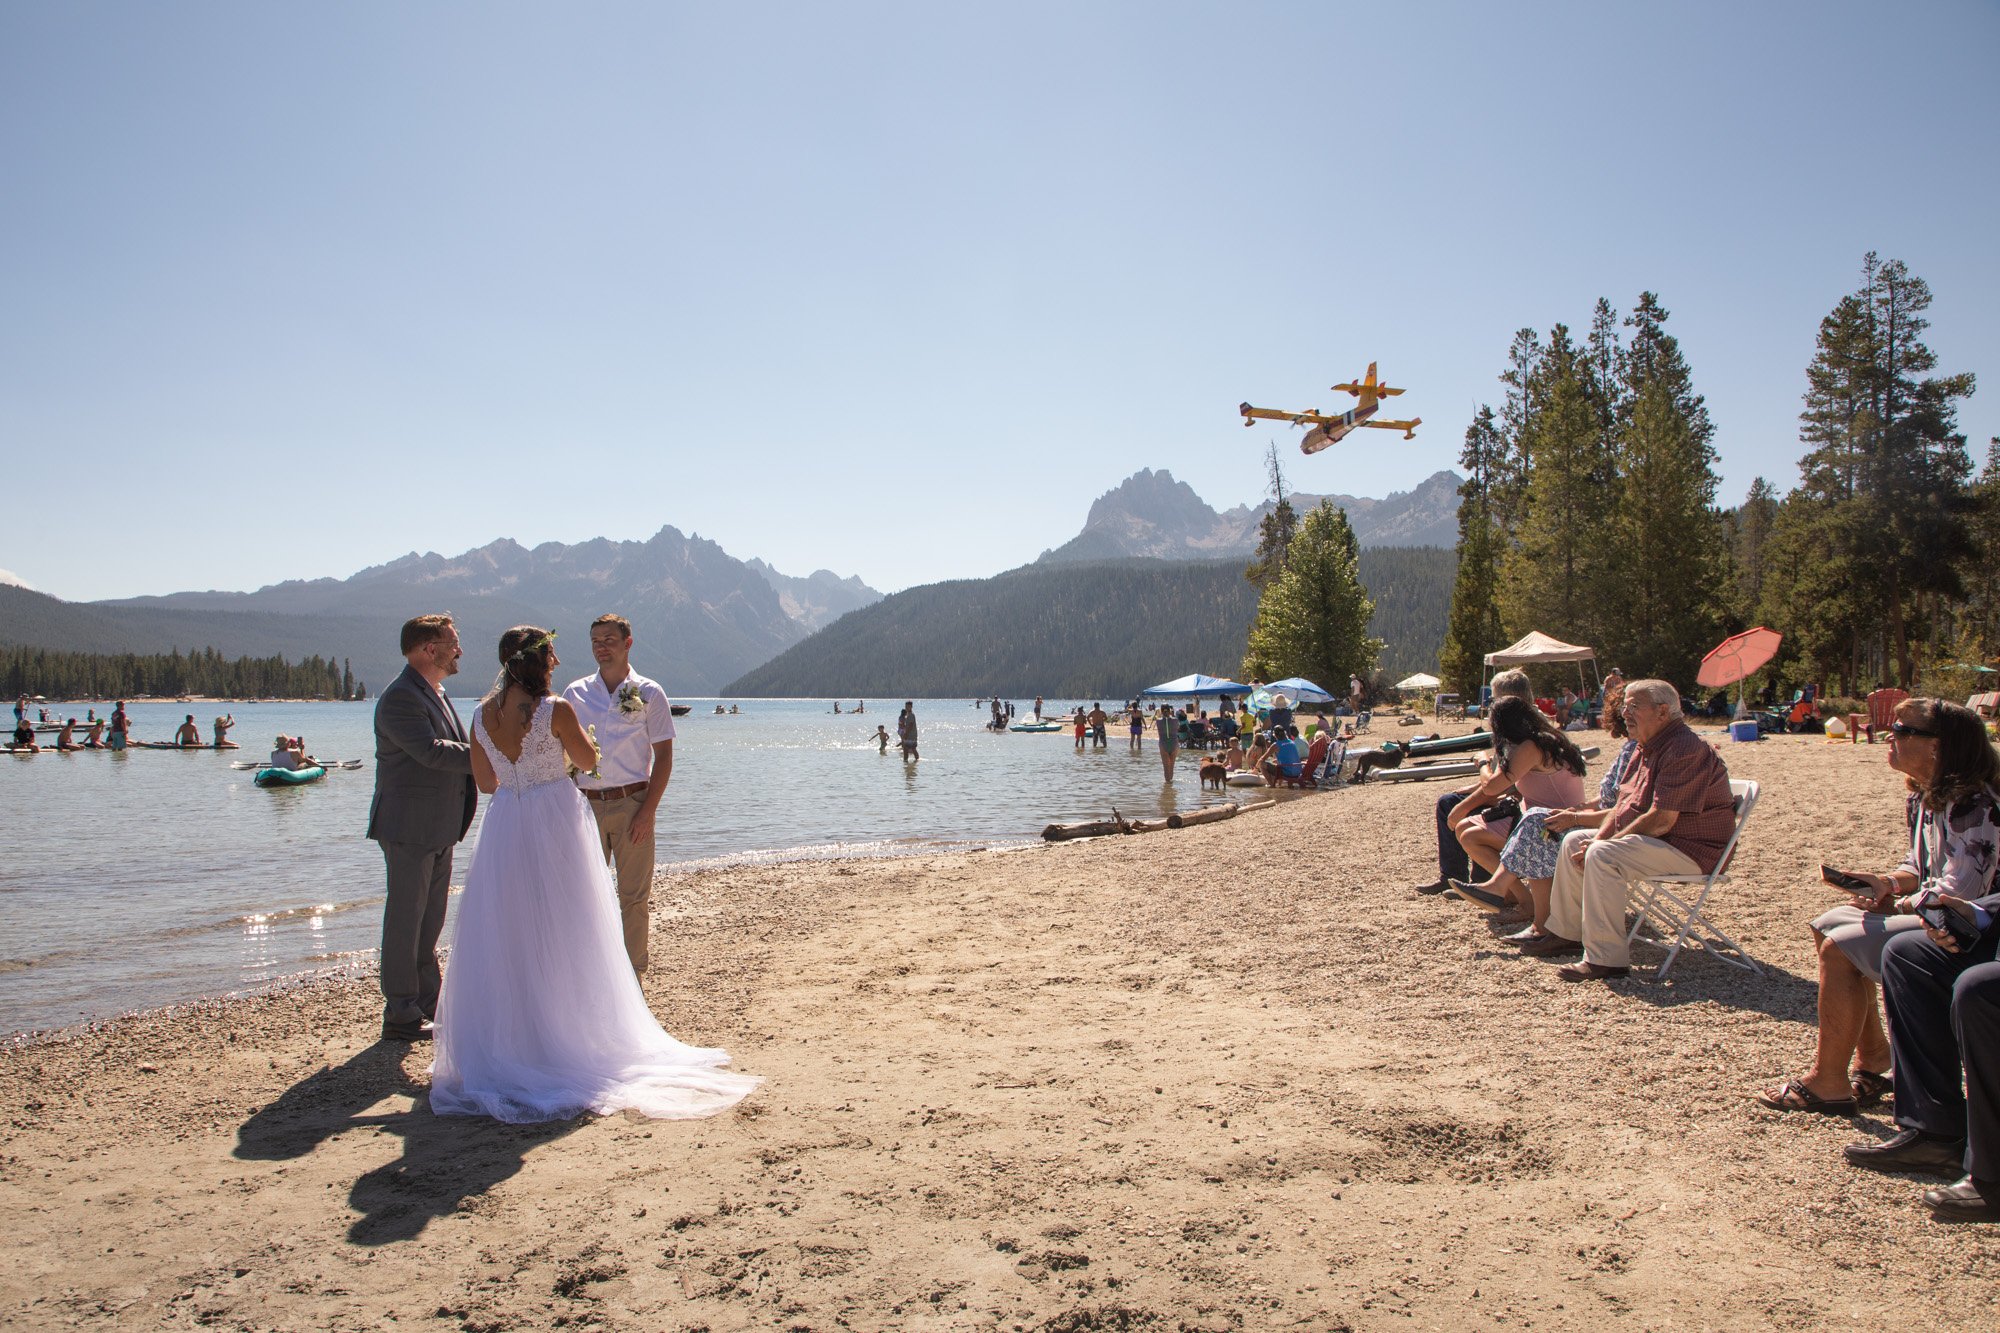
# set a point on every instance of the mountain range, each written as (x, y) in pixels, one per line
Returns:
(1151, 514)
(702, 619)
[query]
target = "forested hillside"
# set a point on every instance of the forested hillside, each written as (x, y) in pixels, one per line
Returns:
(1107, 629)
(59, 675)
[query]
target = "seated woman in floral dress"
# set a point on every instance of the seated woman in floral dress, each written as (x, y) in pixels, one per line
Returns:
(1953, 776)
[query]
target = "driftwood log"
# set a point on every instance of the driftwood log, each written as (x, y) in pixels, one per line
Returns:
(1215, 812)
(1098, 828)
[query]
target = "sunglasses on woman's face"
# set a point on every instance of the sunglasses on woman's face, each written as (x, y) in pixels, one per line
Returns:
(1904, 729)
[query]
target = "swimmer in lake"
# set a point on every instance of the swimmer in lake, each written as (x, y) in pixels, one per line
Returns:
(188, 733)
(881, 739)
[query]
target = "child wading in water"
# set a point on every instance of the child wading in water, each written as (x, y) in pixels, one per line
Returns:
(881, 739)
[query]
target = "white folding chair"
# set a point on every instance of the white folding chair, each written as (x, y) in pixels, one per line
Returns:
(1660, 907)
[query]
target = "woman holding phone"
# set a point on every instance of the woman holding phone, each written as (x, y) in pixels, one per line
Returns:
(1953, 776)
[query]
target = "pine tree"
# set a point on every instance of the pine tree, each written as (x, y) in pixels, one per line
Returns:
(1666, 554)
(1475, 628)
(1884, 483)
(1750, 533)
(1275, 530)
(1553, 579)
(1312, 620)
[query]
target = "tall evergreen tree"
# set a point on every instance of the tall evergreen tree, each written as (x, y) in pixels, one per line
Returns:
(1553, 578)
(1666, 553)
(1312, 620)
(1475, 628)
(1884, 481)
(1274, 531)
(1750, 533)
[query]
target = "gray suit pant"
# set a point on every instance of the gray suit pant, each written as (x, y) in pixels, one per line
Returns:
(412, 920)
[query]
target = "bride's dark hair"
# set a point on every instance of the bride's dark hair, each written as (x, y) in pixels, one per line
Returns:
(524, 661)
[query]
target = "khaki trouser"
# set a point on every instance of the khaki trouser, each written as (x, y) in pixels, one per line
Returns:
(1588, 903)
(634, 866)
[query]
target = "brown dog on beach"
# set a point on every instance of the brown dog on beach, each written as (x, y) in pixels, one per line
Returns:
(1214, 773)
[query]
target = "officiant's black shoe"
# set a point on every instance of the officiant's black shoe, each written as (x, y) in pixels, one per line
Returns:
(406, 1031)
(1432, 889)
(1968, 1201)
(1911, 1150)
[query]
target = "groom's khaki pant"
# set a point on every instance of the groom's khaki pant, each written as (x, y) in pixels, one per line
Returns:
(633, 863)
(1587, 903)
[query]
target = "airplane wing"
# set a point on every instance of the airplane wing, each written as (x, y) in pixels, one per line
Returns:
(1273, 414)
(1409, 428)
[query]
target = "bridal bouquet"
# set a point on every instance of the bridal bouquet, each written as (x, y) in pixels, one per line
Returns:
(569, 765)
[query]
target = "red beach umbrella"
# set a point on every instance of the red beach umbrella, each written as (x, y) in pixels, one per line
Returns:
(1737, 656)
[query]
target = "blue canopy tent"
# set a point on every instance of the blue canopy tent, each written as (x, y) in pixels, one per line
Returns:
(1196, 686)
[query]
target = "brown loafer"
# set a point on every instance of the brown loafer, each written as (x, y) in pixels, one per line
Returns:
(1549, 946)
(1589, 971)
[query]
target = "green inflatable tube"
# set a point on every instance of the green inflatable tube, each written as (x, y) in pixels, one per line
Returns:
(287, 777)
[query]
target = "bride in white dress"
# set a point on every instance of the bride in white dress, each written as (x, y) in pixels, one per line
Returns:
(541, 1017)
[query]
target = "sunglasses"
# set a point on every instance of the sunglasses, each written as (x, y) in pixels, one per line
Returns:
(1905, 729)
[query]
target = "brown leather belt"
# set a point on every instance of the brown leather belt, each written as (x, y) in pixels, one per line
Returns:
(614, 793)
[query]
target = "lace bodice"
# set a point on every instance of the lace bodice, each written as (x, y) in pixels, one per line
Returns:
(541, 753)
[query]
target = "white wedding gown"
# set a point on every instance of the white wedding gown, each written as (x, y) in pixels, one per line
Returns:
(541, 1017)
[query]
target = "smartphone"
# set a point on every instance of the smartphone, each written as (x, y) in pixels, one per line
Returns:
(1939, 917)
(1840, 879)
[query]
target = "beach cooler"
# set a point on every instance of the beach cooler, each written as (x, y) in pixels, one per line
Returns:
(1745, 730)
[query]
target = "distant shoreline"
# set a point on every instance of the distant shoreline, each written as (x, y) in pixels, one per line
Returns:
(186, 699)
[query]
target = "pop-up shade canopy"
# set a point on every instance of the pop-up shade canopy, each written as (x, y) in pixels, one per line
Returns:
(1194, 687)
(1538, 649)
(1420, 681)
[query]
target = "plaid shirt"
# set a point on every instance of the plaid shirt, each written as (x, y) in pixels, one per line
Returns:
(1679, 771)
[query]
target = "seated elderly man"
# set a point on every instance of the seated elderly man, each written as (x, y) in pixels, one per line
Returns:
(1673, 816)
(1452, 860)
(1942, 987)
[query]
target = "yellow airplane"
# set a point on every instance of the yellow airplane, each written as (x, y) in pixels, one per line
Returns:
(1331, 429)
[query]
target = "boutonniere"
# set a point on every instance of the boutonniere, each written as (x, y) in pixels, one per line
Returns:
(630, 701)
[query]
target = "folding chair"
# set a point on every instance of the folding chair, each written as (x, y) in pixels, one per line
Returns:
(1661, 908)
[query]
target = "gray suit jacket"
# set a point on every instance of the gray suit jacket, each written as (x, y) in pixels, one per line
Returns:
(423, 767)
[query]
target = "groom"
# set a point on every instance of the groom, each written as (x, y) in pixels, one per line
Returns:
(632, 722)
(423, 805)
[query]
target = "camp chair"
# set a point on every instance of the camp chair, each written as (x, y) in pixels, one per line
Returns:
(1882, 709)
(1660, 907)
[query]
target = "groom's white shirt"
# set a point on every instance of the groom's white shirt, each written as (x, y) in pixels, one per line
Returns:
(625, 740)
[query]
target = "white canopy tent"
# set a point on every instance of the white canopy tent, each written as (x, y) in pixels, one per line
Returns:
(1538, 649)
(1423, 680)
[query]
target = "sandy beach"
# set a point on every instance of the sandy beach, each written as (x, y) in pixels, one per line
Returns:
(1228, 1077)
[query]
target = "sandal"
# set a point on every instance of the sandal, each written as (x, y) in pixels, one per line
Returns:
(1796, 1096)
(1870, 1088)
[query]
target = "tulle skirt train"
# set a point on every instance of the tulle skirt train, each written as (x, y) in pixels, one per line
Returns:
(541, 1017)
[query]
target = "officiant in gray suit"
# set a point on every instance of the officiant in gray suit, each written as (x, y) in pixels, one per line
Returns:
(423, 806)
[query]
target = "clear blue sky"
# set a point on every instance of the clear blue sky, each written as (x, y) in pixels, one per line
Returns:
(898, 289)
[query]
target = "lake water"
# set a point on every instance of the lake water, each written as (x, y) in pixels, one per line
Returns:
(144, 878)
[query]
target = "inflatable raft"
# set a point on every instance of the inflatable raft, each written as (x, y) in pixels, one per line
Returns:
(1036, 726)
(288, 777)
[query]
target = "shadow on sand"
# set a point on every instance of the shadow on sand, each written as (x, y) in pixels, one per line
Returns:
(445, 1160)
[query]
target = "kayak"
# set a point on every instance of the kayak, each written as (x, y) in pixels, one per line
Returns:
(1036, 726)
(287, 777)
